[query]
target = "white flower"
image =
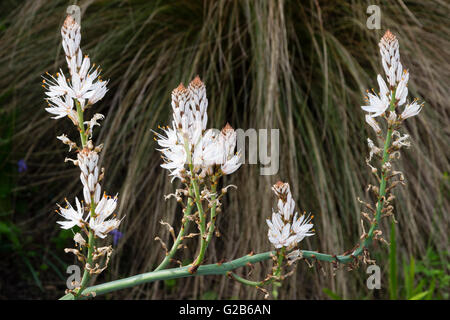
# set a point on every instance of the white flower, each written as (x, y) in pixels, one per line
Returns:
(97, 91)
(279, 233)
(89, 88)
(73, 217)
(218, 149)
(231, 160)
(103, 211)
(106, 206)
(210, 151)
(102, 228)
(232, 164)
(398, 79)
(286, 229)
(85, 84)
(411, 110)
(173, 151)
(378, 104)
(57, 86)
(402, 90)
(286, 207)
(62, 107)
(302, 227)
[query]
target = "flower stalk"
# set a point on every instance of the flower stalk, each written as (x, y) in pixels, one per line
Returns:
(83, 137)
(380, 203)
(70, 97)
(179, 239)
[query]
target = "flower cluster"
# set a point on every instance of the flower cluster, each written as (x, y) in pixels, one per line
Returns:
(85, 84)
(385, 105)
(71, 97)
(397, 79)
(287, 229)
(392, 96)
(187, 146)
(198, 158)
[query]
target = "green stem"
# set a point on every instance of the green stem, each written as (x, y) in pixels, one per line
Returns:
(91, 245)
(380, 203)
(179, 238)
(201, 213)
(175, 273)
(91, 239)
(86, 275)
(277, 273)
(247, 282)
(202, 217)
(81, 124)
(210, 269)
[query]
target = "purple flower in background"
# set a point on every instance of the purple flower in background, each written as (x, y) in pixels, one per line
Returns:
(22, 166)
(116, 236)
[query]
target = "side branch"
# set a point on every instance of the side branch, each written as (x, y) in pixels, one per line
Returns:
(210, 269)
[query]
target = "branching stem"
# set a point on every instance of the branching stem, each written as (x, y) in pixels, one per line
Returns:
(179, 238)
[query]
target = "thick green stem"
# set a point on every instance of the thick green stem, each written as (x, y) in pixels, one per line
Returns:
(183, 272)
(210, 269)
(81, 124)
(179, 238)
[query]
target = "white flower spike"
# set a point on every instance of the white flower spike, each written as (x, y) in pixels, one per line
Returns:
(208, 149)
(287, 229)
(397, 78)
(84, 84)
